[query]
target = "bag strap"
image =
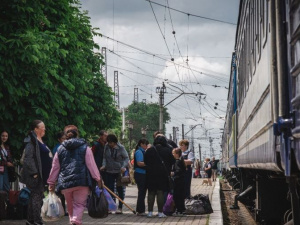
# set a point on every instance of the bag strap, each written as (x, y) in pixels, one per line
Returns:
(162, 161)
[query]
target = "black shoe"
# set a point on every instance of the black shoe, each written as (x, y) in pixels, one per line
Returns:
(66, 214)
(39, 223)
(29, 222)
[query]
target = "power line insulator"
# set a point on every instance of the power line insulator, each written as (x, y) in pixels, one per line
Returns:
(173, 32)
(215, 107)
(216, 103)
(172, 59)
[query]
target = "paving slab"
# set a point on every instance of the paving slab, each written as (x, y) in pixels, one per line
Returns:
(129, 218)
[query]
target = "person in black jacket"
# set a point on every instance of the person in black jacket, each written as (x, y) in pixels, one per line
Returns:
(158, 160)
(178, 175)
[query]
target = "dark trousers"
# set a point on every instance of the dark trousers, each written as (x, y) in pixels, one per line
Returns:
(159, 198)
(35, 204)
(178, 195)
(111, 181)
(187, 182)
(140, 180)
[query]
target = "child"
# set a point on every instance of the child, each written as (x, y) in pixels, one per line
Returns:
(178, 176)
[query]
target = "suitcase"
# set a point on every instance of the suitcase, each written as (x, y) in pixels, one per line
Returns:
(3, 198)
(13, 197)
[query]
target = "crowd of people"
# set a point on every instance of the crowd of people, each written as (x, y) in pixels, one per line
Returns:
(72, 167)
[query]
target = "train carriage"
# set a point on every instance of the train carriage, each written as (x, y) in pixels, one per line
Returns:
(261, 136)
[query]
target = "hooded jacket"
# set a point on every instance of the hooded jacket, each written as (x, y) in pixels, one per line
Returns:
(73, 170)
(32, 164)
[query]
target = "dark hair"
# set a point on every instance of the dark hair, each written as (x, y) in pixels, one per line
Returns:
(71, 131)
(102, 132)
(178, 151)
(141, 141)
(184, 142)
(71, 134)
(156, 133)
(59, 135)
(35, 124)
(7, 141)
(112, 138)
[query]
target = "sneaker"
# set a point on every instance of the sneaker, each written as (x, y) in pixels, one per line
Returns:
(29, 222)
(161, 215)
(150, 214)
(179, 214)
(141, 214)
(119, 211)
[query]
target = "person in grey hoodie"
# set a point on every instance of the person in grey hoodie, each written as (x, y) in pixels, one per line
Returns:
(115, 161)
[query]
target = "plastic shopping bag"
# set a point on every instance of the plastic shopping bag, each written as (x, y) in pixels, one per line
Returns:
(112, 206)
(97, 205)
(169, 207)
(52, 209)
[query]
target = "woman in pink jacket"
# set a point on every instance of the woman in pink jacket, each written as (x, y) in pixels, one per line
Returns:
(73, 166)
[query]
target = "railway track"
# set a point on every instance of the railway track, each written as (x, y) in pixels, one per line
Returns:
(241, 216)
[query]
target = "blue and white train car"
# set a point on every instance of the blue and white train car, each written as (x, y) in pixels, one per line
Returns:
(262, 130)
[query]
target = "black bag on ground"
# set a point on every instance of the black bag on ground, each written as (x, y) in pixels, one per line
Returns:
(16, 212)
(97, 206)
(198, 205)
(3, 197)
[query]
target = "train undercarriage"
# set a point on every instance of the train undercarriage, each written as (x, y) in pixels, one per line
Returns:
(267, 195)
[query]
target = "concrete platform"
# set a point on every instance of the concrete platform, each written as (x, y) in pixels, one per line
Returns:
(129, 218)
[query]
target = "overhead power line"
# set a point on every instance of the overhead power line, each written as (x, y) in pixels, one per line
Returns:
(177, 64)
(190, 14)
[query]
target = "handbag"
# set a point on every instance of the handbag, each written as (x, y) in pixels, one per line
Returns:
(125, 178)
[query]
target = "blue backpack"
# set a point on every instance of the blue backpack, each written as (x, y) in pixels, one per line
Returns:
(24, 196)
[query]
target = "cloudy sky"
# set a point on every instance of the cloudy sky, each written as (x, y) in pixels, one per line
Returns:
(145, 44)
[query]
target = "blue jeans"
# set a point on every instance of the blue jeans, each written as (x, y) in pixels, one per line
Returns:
(4, 182)
(140, 180)
(111, 179)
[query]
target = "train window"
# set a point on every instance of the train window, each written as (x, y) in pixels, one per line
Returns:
(248, 49)
(257, 32)
(264, 28)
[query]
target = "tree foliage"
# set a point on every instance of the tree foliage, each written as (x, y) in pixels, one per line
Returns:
(49, 70)
(144, 115)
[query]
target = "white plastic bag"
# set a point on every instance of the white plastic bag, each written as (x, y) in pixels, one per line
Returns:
(52, 209)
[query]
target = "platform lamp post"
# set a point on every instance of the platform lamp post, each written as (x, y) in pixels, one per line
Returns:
(161, 91)
(144, 131)
(130, 127)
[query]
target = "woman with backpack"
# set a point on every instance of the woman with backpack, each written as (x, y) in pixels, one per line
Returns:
(140, 175)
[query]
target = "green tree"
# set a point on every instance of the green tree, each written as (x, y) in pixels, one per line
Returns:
(144, 115)
(49, 70)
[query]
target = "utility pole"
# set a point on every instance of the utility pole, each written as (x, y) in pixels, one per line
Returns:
(200, 155)
(182, 131)
(136, 95)
(104, 66)
(192, 138)
(211, 148)
(161, 91)
(174, 134)
(116, 89)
